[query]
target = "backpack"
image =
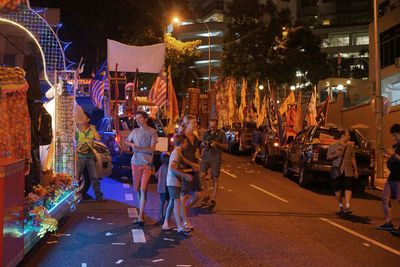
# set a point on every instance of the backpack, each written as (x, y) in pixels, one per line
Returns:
(45, 130)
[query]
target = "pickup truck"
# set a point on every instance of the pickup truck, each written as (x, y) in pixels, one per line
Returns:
(120, 152)
(272, 153)
(306, 155)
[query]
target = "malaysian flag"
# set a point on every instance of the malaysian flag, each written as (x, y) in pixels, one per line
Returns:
(98, 85)
(158, 92)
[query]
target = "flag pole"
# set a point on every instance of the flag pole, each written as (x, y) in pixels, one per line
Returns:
(116, 119)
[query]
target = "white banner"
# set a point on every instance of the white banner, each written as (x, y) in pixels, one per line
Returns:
(129, 58)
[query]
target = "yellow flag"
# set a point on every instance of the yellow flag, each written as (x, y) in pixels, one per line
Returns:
(290, 100)
(242, 101)
(257, 99)
(172, 109)
(231, 107)
(263, 112)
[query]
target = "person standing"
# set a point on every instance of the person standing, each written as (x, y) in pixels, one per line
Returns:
(175, 177)
(214, 141)
(85, 137)
(343, 159)
(256, 142)
(190, 158)
(392, 186)
(143, 141)
(162, 189)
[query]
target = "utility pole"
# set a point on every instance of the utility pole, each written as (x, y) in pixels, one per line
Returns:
(378, 98)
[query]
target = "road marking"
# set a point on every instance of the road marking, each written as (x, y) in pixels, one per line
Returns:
(367, 245)
(84, 264)
(132, 213)
(362, 236)
(138, 236)
(158, 260)
(51, 242)
(230, 174)
(118, 244)
(269, 193)
(125, 185)
(169, 239)
(128, 197)
(119, 261)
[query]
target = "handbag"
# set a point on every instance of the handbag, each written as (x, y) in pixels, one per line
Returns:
(335, 171)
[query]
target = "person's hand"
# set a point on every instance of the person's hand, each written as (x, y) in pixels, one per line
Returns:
(356, 174)
(339, 153)
(196, 167)
(189, 177)
(91, 126)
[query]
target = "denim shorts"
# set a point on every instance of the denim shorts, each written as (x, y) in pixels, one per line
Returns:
(174, 192)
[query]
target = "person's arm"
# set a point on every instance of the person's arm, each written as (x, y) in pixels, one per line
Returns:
(331, 155)
(223, 145)
(147, 149)
(354, 164)
(174, 169)
(97, 136)
(128, 140)
(195, 166)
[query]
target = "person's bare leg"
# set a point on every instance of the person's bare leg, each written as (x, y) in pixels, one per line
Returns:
(168, 214)
(387, 209)
(215, 188)
(347, 198)
(142, 203)
(338, 195)
(177, 204)
(184, 208)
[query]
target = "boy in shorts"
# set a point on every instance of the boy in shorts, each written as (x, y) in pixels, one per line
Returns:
(174, 183)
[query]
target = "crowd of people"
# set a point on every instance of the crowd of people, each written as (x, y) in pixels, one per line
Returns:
(196, 161)
(182, 176)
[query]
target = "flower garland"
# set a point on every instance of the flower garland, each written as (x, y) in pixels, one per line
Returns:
(41, 199)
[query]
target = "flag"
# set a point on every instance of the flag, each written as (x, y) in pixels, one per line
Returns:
(135, 90)
(148, 58)
(97, 86)
(311, 112)
(298, 122)
(262, 115)
(183, 107)
(271, 114)
(257, 99)
(289, 101)
(231, 99)
(242, 101)
(339, 59)
(172, 106)
(322, 115)
(280, 127)
(158, 92)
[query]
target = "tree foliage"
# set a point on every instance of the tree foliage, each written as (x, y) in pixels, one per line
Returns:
(268, 48)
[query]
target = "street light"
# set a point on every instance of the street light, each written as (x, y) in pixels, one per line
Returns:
(175, 20)
(348, 82)
(340, 87)
(261, 87)
(292, 88)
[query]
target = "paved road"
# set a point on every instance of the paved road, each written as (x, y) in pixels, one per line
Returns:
(261, 219)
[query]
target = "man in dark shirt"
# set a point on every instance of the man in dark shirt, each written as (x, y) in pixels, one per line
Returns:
(392, 186)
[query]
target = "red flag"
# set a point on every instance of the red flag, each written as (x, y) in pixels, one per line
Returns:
(322, 116)
(158, 92)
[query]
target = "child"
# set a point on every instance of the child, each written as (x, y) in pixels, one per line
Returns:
(162, 189)
(174, 182)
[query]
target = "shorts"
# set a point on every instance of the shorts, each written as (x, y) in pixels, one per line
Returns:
(391, 190)
(174, 192)
(342, 183)
(140, 177)
(215, 167)
(164, 196)
(193, 186)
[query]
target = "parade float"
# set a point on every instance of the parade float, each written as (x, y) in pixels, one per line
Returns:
(26, 217)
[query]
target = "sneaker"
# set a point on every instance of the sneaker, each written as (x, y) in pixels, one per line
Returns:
(347, 210)
(204, 202)
(387, 226)
(395, 230)
(340, 210)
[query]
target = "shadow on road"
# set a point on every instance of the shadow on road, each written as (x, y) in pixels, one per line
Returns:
(354, 218)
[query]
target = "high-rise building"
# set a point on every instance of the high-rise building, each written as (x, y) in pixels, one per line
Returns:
(343, 27)
(389, 46)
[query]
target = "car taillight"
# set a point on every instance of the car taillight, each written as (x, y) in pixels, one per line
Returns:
(315, 155)
(276, 144)
(372, 160)
(117, 139)
(171, 139)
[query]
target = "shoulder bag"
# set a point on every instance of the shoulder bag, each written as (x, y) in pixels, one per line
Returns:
(335, 171)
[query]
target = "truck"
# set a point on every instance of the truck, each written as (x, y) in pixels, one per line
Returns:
(306, 155)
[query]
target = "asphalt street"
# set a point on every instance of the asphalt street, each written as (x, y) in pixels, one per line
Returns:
(261, 219)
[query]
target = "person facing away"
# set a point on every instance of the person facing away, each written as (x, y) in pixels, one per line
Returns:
(342, 156)
(162, 189)
(391, 189)
(256, 142)
(85, 137)
(174, 182)
(143, 141)
(214, 141)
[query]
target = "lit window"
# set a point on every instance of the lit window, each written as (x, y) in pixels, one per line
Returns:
(326, 22)
(212, 34)
(361, 39)
(340, 40)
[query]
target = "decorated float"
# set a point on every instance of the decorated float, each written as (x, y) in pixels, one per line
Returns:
(26, 214)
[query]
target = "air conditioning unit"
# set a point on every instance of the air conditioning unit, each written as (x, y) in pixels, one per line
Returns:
(397, 62)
